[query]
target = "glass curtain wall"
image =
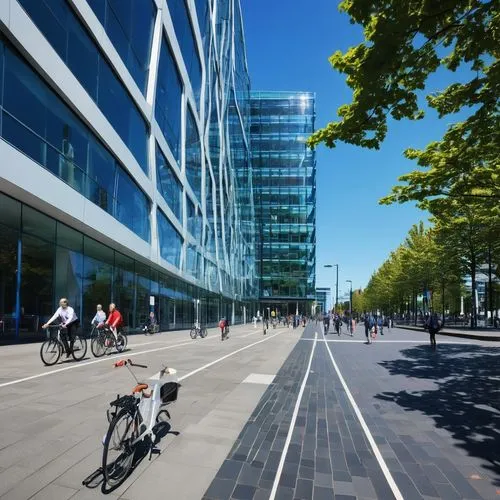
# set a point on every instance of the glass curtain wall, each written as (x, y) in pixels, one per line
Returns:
(285, 194)
(42, 260)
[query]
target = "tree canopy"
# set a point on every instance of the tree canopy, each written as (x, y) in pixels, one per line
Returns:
(404, 43)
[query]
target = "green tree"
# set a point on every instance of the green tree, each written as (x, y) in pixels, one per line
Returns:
(404, 43)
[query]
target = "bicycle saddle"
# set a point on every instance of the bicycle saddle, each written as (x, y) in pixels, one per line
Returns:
(139, 388)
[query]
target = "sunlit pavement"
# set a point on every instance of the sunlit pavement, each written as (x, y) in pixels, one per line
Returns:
(275, 416)
(426, 423)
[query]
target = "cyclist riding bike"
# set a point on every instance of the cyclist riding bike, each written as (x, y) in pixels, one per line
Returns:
(100, 316)
(114, 321)
(224, 328)
(69, 320)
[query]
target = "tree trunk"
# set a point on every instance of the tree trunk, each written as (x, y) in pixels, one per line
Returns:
(490, 285)
(473, 319)
(443, 305)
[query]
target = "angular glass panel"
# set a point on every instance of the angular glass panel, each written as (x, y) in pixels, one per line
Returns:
(193, 154)
(168, 184)
(168, 99)
(170, 240)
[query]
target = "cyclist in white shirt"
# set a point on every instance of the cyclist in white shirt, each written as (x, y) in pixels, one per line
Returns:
(69, 320)
(100, 316)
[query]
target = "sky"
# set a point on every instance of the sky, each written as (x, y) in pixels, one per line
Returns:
(288, 44)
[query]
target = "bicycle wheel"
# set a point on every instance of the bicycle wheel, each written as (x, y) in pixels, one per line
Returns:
(203, 333)
(121, 342)
(118, 452)
(50, 352)
(193, 333)
(79, 348)
(97, 345)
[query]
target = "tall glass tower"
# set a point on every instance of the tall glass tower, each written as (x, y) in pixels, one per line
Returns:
(285, 199)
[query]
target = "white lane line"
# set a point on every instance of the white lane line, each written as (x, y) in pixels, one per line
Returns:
(101, 360)
(222, 358)
(369, 437)
(353, 341)
(292, 423)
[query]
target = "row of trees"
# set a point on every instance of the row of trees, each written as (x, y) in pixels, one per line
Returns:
(458, 176)
(437, 259)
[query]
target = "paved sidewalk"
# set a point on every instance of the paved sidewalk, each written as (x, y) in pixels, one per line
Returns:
(486, 335)
(434, 417)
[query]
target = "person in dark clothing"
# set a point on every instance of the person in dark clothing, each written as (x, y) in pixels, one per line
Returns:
(433, 325)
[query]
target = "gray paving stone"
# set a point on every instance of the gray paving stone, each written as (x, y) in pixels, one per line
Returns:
(244, 492)
(320, 493)
(220, 488)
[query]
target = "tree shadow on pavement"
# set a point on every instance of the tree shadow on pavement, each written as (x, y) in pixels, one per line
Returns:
(466, 398)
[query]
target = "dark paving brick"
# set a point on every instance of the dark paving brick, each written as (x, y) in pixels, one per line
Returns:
(408, 398)
(220, 488)
(323, 493)
(303, 490)
(244, 492)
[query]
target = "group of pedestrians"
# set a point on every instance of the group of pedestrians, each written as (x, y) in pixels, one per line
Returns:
(374, 325)
(337, 322)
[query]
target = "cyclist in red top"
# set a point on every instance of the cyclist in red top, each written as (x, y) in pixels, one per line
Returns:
(114, 320)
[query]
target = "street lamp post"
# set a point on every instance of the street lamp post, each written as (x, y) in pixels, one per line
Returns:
(336, 283)
(350, 299)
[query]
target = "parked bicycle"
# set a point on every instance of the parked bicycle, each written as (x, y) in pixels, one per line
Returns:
(104, 341)
(134, 418)
(198, 330)
(51, 350)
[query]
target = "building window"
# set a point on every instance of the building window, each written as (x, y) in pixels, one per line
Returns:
(193, 260)
(64, 31)
(194, 220)
(168, 184)
(168, 99)
(193, 154)
(170, 240)
(129, 25)
(185, 37)
(37, 122)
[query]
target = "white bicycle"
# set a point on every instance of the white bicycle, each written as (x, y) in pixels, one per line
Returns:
(133, 418)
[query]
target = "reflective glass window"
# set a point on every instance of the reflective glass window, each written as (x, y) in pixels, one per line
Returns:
(97, 277)
(129, 25)
(170, 240)
(168, 184)
(168, 99)
(193, 154)
(185, 37)
(193, 261)
(64, 31)
(132, 206)
(38, 122)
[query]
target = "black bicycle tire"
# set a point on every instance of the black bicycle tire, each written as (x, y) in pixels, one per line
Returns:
(98, 341)
(83, 340)
(125, 342)
(109, 433)
(203, 333)
(193, 331)
(59, 347)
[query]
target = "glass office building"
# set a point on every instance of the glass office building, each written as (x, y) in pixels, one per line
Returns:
(285, 199)
(125, 173)
(323, 300)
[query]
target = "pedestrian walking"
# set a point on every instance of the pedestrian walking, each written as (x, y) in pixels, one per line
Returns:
(381, 325)
(433, 324)
(353, 326)
(338, 325)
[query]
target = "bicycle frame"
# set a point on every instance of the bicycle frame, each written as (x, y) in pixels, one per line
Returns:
(150, 404)
(149, 407)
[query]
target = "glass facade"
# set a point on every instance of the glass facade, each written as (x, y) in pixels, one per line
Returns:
(74, 45)
(51, 260)
(284, 182)
(194, 149)
(129, 25)
(36, 121)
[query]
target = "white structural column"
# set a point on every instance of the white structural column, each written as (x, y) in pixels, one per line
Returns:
(150, 98)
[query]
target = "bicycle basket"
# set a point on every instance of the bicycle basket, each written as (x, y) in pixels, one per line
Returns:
(168, 392)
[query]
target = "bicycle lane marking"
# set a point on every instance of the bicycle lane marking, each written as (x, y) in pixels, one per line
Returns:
(292, 423)
(222, 358)
(380, 459)
(108, 358)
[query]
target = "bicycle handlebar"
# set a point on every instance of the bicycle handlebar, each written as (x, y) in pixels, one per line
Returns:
(124, 362)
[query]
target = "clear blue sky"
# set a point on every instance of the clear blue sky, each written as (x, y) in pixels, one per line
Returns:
(288, 44)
